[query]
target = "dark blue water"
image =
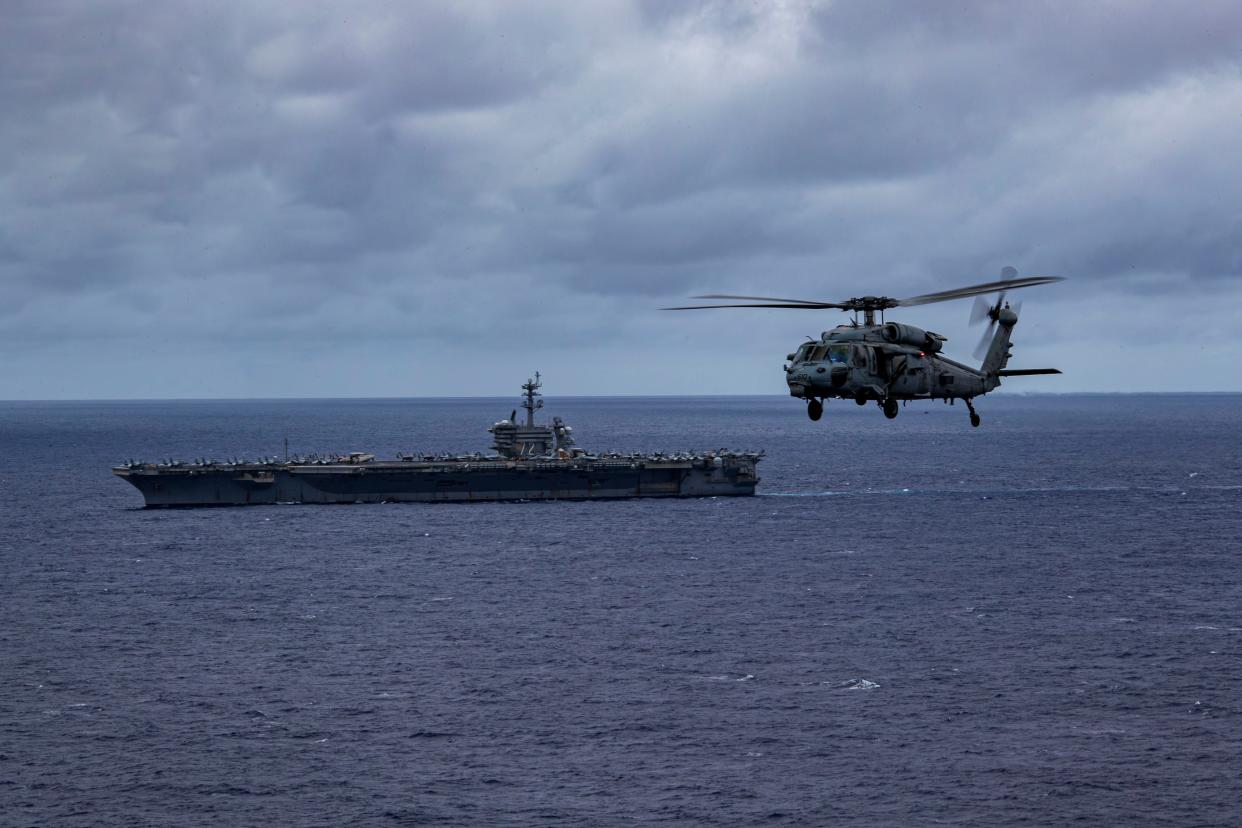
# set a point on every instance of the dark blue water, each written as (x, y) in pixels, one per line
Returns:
(917, 623)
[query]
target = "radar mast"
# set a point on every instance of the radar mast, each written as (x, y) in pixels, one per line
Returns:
(530, 390)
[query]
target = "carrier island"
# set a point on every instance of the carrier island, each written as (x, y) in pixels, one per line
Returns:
(531, 461)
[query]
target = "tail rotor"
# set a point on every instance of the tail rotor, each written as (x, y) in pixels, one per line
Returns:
(983, 309)
(980, 310)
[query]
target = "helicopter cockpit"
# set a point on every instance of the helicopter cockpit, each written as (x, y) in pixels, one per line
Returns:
(838, 354)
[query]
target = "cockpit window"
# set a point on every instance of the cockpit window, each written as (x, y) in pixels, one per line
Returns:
(839, 354)
(803, 353)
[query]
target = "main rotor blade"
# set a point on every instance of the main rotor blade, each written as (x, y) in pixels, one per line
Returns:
(797, 305)
(761, 299)
(975, 290)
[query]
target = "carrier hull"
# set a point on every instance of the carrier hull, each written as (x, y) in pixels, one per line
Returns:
(453, 481)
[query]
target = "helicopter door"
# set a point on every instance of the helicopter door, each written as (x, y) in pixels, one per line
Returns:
(920, 374)
(879, 363)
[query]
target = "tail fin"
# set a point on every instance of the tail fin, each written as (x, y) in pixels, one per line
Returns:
(997, 356)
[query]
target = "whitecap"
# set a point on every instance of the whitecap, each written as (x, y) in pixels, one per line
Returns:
(803, 494)
(857, 684)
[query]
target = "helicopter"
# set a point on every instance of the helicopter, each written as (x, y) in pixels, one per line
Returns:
(892, 362)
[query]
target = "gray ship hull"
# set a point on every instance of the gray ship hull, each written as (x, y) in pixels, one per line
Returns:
(451, 481)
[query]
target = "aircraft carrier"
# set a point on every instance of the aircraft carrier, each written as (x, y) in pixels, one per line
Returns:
(530, 462)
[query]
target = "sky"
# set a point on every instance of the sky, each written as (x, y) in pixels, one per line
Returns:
(301, 198)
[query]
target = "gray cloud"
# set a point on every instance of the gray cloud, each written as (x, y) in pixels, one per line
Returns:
(422, 184)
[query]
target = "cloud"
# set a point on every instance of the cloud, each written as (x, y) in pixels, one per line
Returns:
(428, 181)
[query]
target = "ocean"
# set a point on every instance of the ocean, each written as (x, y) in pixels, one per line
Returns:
(1036, 622)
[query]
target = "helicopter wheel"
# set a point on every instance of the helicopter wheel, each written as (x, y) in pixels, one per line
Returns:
(861, 399)
(890, 408)
(815, 409)
(974, 415)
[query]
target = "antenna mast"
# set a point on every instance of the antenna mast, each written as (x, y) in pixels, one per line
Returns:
(530, 392)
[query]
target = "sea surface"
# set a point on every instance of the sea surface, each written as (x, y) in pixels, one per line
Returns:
(1036, 622)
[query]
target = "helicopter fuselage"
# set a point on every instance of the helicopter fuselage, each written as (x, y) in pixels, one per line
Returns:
(881, 362)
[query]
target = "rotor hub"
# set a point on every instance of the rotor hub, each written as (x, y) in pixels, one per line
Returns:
(870, 303)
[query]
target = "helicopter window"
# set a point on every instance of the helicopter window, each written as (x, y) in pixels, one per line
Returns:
(803, 354)
(860, 357)
(839, 354)
(818, 353)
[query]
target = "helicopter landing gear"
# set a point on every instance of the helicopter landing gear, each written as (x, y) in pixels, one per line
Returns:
(974, 415)
(890, 408)
(861, 399)
(814, 410)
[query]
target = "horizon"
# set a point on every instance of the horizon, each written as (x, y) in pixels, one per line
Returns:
(449, 398)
